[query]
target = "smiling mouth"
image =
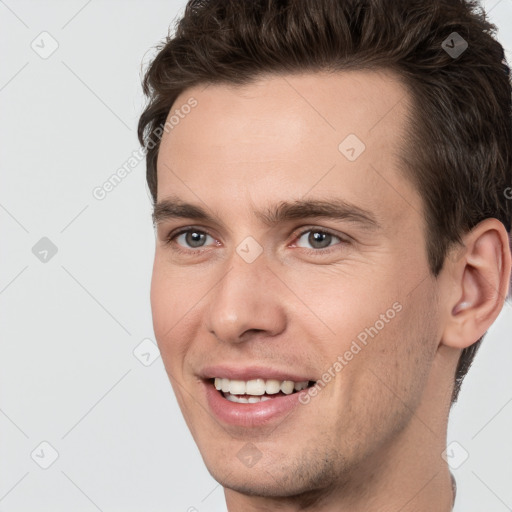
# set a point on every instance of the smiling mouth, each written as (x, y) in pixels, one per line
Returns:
(258, 390)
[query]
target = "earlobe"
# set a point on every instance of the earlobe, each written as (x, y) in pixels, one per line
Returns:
(479, 282)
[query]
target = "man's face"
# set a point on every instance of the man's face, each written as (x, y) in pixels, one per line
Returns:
(301, 294)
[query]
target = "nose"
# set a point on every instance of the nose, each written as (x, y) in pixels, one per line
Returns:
(248, 301)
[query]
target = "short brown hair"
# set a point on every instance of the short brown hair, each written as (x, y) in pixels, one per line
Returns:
(459, 148)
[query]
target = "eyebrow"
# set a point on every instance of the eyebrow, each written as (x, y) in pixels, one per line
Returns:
(336, 209)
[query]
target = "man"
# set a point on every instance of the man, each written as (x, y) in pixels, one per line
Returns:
(330, 184)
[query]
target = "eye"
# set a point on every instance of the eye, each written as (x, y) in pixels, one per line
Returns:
(318, 239)
(189, 238)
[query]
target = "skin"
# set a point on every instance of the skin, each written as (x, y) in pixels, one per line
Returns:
(372, 439)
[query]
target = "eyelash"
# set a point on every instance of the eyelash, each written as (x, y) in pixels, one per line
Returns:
(169, 240)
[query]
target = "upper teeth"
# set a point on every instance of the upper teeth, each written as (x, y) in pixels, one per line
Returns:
(258, 386)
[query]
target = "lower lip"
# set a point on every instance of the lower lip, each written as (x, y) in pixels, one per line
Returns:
(250, 415)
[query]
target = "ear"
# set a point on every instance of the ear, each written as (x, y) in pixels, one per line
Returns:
(476, 284)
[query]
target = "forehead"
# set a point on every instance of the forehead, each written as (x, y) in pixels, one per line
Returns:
(289, 136)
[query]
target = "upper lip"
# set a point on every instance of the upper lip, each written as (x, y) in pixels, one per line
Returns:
(246, 373)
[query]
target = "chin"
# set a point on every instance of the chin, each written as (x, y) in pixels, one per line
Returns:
(275, 480)
(262, 484)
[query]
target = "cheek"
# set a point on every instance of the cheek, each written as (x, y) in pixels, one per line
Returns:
(353, 307)
(401, 355)
(173, 293)
(385, 341)
(169, 307)
(162, 300)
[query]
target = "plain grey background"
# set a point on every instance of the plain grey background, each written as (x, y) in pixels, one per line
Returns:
(88, 420)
